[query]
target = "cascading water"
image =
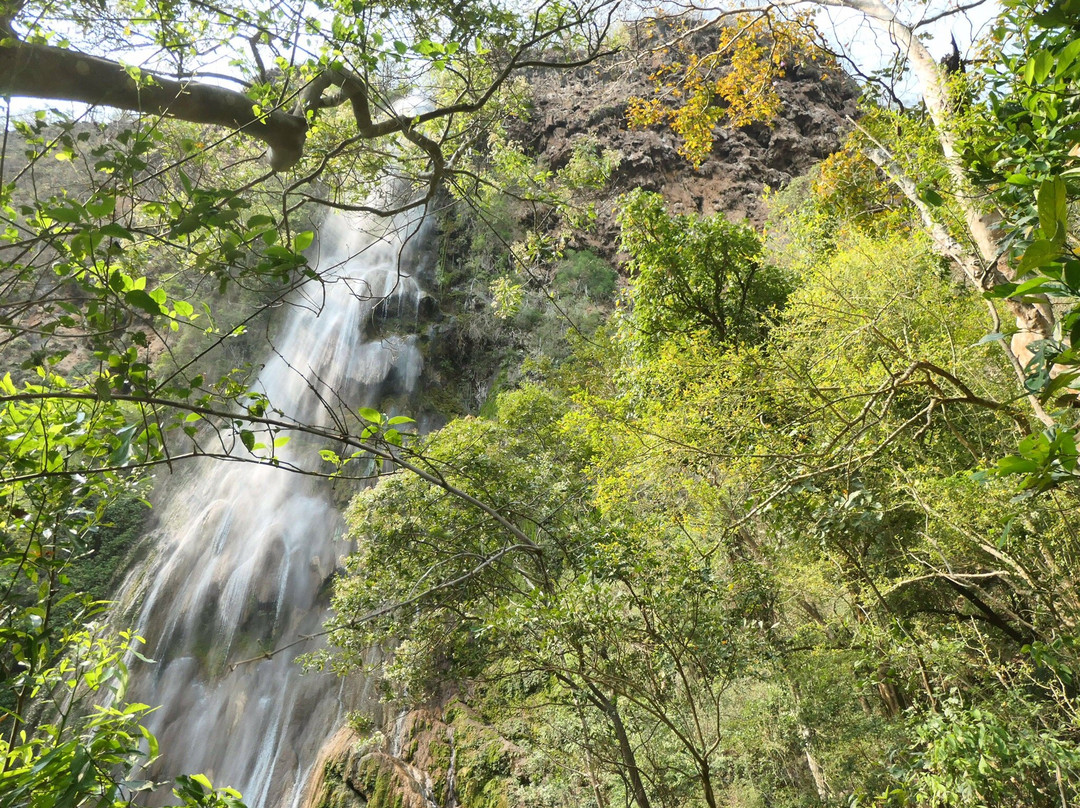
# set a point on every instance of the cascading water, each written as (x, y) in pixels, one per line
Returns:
(245, 552)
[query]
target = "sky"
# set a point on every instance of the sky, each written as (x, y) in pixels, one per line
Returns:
(870, 47)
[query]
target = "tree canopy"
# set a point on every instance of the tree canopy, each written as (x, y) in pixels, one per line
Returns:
(791, 525)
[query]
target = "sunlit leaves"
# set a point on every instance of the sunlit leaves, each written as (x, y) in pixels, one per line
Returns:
(79, 754)
(507, 297)
(696, 274)
(1033, 112)
(734, 83)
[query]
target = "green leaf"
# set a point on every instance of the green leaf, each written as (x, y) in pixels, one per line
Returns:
(931, 197)
(1002, 290)
(369, 414)
(1060, 382)
(1016, 465)
(303, 240)
(1037, 254)
(114, 230)
(1071, 275)
(1067, 55)
(401, 419)
(151, 741)
(1038, 67)
(248, 439)
(1057, 16)
(1053, 211)
(122, 452)
(189, 224)
(203, 780)
(140, 299)
(1031, 285)
(103, 388)
(102, 207)
(66, 214)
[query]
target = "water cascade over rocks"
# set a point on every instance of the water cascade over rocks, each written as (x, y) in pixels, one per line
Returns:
(244, 554)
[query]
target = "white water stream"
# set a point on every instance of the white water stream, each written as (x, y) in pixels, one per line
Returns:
(244, 553)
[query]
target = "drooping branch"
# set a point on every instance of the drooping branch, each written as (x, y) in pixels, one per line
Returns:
(43, 71)
(983, 278)
(935, 93)
(416, 464)
(988, 263)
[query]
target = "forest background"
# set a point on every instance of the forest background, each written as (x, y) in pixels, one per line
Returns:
(766, 513)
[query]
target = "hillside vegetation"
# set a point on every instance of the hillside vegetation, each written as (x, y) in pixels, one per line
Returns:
(790, 532)
(756, 482)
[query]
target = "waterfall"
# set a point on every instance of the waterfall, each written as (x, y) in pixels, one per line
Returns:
(243, 556)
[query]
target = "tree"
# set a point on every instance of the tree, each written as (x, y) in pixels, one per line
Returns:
(322, 58)
(966, 229)
(616, 611)
(694, 273)
(915, 623)
(792, 518)
(114, 235)
(152, 190)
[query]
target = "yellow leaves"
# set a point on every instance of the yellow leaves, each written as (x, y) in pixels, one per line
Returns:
(642, 113)
(507, 297)
(736, 81)
(837, 171)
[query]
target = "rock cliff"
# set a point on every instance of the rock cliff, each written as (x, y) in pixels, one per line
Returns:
(592, 101)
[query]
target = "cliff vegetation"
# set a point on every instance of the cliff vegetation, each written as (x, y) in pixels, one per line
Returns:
(743, 467)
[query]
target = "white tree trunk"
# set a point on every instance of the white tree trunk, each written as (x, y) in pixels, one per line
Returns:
(1034, 320)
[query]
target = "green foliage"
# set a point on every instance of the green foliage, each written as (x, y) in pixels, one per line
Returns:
(697, 274)
(76, 754)
(1028, 136)
(584, 272)
(786, 538)
(979, 756)
(1050, 267)
(133, 251)
(196, 791)
(84, 744)
(51, 521)
(551, 610)
(506, 297)
(736, 549)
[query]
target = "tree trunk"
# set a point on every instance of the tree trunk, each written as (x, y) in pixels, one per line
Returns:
(626, 750)
(1035, 321)
(706, 783)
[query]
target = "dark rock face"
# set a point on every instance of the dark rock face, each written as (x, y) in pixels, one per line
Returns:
(744, 162)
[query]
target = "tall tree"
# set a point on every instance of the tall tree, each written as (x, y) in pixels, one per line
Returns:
(112, 236)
